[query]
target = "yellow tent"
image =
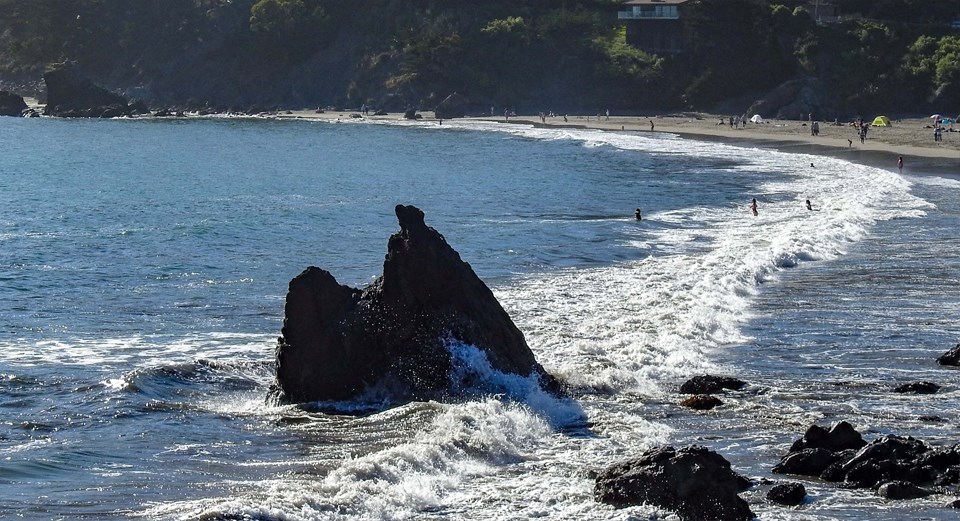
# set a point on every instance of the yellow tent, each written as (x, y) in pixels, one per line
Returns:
(881, 121)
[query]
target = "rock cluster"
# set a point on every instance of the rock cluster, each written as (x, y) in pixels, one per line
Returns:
(693, 481)
(897, 467)
(951, 357)
(339, 342)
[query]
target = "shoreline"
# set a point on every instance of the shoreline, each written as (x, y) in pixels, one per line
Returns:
(910, 138)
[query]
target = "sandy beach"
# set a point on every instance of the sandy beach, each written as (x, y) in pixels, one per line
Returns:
(910, 138)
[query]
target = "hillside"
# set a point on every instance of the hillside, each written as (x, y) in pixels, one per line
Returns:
(532, 55)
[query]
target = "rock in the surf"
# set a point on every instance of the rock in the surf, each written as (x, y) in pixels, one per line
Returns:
(692, 481)
(711, 384)
(917, 388)
(841, 455)
(702, 402)
(395, 334)
(789, 494)
(951, 357)
(11, 104)
(71, 94)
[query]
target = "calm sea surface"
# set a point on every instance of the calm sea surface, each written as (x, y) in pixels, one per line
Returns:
(143, 268)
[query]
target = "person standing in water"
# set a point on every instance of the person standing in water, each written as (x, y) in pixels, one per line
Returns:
(809, 206)
(753, 206)
(637, 215)
(900, 164)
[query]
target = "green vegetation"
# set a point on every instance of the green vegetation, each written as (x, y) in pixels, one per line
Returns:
(532, 55)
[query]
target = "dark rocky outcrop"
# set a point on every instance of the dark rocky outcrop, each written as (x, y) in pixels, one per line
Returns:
(710, 384)
(794, 99)
(917, 388)
(396, 333)
(701, 402)
(411, 114)
(11, 104)
(693, 481)
(951, 357)
(454, 106)
(71, 94)
(840, 437)
(789, 494)
(903, 465)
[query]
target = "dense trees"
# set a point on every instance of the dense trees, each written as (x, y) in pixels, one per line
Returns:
(530, 54)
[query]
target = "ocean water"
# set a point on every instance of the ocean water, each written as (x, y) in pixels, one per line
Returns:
(143, 268)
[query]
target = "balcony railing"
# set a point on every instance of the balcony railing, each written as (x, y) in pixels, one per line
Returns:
(646, 15)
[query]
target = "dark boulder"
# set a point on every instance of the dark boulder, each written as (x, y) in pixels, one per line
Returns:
(806, 462)
(710, 384)
(454, 106)
(917, 388)
(951, 357)
(71, 94)
(701, 402)
(398, 332)
(11, 104)
(693, 481)
(901, 490)
(840, 437)
(790, 494)
(411, 114)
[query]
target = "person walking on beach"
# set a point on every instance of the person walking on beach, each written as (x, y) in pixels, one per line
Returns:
(753, 206)
(900, 164)
(651, 125)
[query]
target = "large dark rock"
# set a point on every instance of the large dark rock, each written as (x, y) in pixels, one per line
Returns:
(789, 494)
(71, 94)
(693, 481)
(454, 106)
(710, 384)
(806, 462)
(951, 357)
(795, 99)
(11, 104)
(840, 437)
(396, 333)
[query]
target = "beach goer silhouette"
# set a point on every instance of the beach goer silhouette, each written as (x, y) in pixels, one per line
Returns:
(900, 164)
(809, 206)
(651, 125)
(849, 143)
(637, 214)
(753, 206)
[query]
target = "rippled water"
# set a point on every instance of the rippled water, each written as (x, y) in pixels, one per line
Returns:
(143, 266)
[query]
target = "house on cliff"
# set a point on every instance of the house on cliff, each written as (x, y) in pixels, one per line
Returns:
(654, 26)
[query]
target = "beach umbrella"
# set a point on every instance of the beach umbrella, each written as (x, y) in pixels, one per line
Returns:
(935, 116)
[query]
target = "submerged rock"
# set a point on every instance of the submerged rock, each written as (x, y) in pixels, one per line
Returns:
(395, 334)
(917, 388)
(710, 384)
(692, 481)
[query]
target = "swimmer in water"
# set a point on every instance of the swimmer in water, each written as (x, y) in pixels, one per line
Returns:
(753, 206)
(809, 206)
(637, 215)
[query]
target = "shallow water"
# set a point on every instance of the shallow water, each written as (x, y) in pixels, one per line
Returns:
(144, 266)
